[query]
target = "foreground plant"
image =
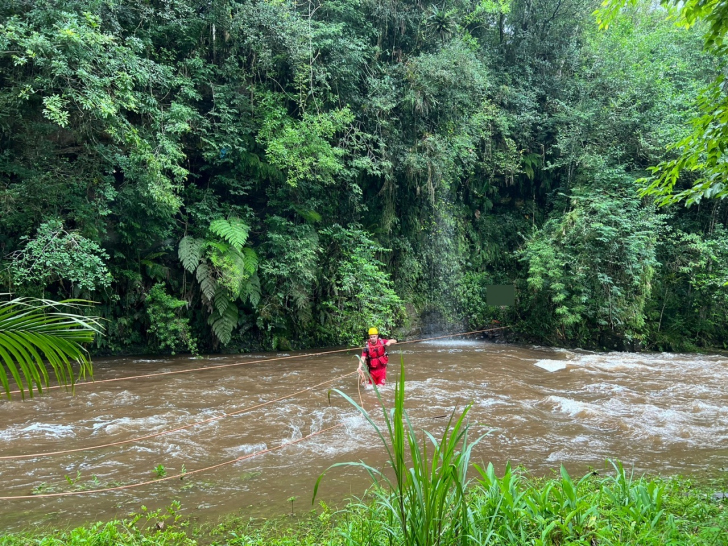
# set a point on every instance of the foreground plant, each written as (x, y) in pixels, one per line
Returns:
(33, 331)
(425, 502)
(508, 510)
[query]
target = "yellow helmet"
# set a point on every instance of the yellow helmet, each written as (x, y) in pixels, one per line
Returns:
(373, 332)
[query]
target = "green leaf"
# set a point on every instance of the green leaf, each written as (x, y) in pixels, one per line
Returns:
(190, 252)
(223, 323)
(33, 330)
(233, 230)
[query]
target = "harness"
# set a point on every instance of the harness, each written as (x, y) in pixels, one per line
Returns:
(376, 354)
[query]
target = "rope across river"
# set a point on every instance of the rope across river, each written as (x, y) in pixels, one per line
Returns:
(289, 357)
(181, 475)
(212, 419)
(165, 432)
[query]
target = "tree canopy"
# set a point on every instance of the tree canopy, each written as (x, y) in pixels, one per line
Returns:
(245, 174)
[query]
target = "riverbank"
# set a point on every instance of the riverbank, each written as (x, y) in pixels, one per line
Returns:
(512, 509)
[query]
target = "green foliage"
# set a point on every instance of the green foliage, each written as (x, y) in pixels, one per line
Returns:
(32, 330)
(142, 528)
(447, 133)
(92, 84)
(234, 231)
(303, 149)
(290, 270)
(360, 291)
(509, 510)
(595, 264)
(225, 270)
(55, 255)
(690, 290)
(168, 329)
(702, 151)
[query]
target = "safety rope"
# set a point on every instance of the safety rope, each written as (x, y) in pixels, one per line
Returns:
(244, 457)
(190, 425)
(165, 432)
(181, 475)
(204, 368)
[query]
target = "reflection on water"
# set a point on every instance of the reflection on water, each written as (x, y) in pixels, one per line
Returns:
(662, 413)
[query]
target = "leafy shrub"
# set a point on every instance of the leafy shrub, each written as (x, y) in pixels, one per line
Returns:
(165, 325)
(595, 263)
(361, 293)
(291, 263)
(691, 291)
(56, 255)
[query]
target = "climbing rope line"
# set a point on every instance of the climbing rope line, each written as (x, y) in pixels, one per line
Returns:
(196, 423)
(212, 419)
(203, 368)
(181, 475)
(165, 432)
(259, 361)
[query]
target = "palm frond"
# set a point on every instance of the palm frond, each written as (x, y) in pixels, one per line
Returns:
(34, 332)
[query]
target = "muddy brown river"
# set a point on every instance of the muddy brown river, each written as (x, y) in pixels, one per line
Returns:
(661, 413)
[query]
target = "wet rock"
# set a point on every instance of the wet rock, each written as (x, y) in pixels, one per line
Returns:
(160, 526)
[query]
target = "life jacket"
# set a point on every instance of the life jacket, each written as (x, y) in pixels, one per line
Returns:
(376, 354)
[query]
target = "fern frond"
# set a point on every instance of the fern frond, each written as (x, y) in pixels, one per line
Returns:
(223, 324)
(234, 231)
(221, 301)
(208, 284)
(300, 299)
(251, 261)
(190, 252)
(253, 291)
(222, 248)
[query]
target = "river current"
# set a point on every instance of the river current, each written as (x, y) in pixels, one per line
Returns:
(658, 413)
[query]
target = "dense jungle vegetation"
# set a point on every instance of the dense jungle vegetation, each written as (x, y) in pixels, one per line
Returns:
(245, 174)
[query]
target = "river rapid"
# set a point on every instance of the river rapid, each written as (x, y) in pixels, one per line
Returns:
(659, 413)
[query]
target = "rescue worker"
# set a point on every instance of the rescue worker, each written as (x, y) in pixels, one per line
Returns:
(375, 357)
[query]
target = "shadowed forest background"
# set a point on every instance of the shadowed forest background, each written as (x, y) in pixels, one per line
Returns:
(239, 175)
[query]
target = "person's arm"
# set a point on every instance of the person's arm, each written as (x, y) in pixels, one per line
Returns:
(390, 342)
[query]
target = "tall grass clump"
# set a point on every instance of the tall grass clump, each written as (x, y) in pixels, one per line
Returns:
(424, 498)
(510, 510)
(616, 510)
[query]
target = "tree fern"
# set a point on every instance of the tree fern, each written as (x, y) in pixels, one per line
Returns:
(225, 270)
(234, 231)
